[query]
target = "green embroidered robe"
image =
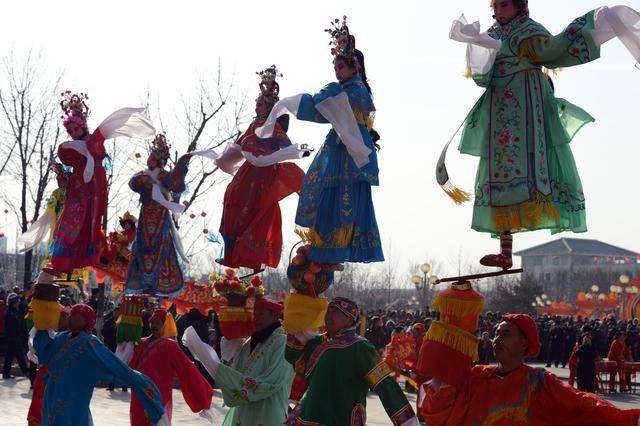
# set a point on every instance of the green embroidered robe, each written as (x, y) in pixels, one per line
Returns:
(527, 178)
(257, 385)
(339, 373)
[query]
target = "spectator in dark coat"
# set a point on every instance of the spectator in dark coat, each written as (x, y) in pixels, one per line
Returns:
(377, 334)
(14, 325)
(586, 367)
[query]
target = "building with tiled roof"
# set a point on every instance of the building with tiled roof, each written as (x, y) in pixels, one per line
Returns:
(568, 265)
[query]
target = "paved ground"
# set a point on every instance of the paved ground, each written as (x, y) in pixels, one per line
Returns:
(112, 408)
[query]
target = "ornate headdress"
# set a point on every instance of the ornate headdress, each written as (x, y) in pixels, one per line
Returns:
(160, 148)
(343, 43)
(127, 217)
(347, 307)
(269, 87)
(74, 109)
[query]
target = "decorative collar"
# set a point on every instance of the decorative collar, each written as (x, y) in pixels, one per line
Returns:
(347, 332)
(502, 32)
(263, 335)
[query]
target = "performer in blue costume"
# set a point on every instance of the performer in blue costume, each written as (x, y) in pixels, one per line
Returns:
(156, 253)
(76, 360)
(335, 210)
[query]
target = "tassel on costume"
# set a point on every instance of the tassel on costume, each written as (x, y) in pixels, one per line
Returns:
(458, 195)
(454, 337)
(449, 349)
(457, 303)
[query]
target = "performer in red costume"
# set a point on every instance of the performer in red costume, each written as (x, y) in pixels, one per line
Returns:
(160, 358)
(117, 247)
(77, 239)
(251, 221)
(619, 353)
(512, 393)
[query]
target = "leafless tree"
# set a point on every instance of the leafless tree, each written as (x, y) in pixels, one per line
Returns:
(29, 129)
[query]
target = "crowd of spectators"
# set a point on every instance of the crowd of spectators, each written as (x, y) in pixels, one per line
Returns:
(565, 340)
(14, 326)
(575, 342)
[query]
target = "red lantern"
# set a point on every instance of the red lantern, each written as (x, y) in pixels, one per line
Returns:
(192, 216)
(203, 214)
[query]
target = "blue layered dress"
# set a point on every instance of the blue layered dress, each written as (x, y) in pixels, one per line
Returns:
(75, 364)
(335, 210)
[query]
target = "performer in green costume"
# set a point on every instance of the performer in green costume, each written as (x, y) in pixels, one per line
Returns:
(339, 369)
(257, 383)
(527, 178)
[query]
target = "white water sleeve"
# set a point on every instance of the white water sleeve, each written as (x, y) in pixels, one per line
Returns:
(36, 232)
(291, 152)
(127, 122)
(124, 351)
(618, 21)
(282, 107)
(229, 349)
(481, 48)
(230, 159)
(201, 351)
(337, 110)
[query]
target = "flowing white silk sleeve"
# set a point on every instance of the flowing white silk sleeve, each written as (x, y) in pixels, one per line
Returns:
(337, 110)
(124, 351)
(230, 159)
(229, 349)
(282, 107)
(618, 21)
(127, 122)
(481, 48)
(291, 152)
(201, 351)
(36, 232)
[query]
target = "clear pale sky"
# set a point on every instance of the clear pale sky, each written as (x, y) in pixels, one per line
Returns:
(117, 50)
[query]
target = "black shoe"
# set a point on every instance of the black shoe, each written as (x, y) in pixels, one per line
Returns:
(8, 377)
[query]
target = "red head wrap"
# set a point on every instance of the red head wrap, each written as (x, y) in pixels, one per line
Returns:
(528, 327)
(89, 315)
(159, 313)
(268, 304)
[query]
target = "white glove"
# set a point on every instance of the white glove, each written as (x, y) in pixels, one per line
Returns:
(201, 351)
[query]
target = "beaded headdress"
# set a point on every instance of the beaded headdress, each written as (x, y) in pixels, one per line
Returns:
(74, 109)
(269, 87)
(127, 217)
(160, 148)
(347, 307)
(343, 43)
